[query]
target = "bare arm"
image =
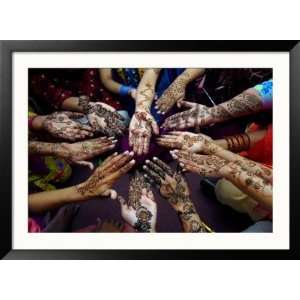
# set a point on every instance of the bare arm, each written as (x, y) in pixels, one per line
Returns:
(108, 82)
(195, 142)
(211, 165)
(142, 123)
(176, 91)
(43, 201)
(254, 186)
(246, 103)
(98, 184)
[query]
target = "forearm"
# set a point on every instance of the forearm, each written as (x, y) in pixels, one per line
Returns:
(246, 164)
(108, 82)
(44, 148)
(254, 186)
(77, 104)
(146, 90)
(190, 74)
(189, 218)
(43, 201)
(241, 142)
(246, 103)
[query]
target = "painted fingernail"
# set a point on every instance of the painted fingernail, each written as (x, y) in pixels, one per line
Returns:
(132, 162)
(181, 164)
(147, 161)
(126, 152)
(145, 167)
(131, 153)
(163, 112)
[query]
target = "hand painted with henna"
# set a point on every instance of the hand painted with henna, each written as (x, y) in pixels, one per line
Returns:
(60, 125)
(204, 165)
(185, 140)
(141, 127)
(102, 117)
(173, 94)
(174, 188)
(103, 178)
(78, 153)
(196, 115)
(143, 217)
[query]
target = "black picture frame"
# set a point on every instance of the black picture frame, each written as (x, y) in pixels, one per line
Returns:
(7, 48)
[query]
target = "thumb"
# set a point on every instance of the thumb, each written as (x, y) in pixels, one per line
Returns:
(85, 163)
(74, 115)
(185, 104)
(110, 193)
(154, 126)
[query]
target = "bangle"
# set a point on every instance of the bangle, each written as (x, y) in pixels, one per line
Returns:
(125, 90)
(30, 121)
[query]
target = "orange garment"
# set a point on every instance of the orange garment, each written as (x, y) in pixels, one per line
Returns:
(262, 151)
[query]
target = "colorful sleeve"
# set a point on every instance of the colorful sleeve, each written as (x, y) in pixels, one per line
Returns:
(265, 90)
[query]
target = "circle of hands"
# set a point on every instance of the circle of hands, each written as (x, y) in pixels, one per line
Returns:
(140, 211)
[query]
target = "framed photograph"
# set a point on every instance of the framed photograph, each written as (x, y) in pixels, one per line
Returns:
(149, 149)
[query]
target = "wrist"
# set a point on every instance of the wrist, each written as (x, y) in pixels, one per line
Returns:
(142, 108)
(78, 193)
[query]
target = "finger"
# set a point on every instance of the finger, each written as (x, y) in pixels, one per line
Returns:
(85, 163)
(157, 169)
(136, 146)
(74, 115)
(130, 138)
(186, 165)
(118, 161)
(86, 133)
(140, 145)
(146, 144)
(108, 160)
(110, 193)
(169, 144)
(157, 179)
(150, 180)
(123, 170)
(155, 127)
(164, 166)
(187, 104)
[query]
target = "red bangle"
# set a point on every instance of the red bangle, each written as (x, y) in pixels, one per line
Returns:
(30, 121)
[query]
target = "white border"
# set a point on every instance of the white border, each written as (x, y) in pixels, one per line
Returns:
(279, 239)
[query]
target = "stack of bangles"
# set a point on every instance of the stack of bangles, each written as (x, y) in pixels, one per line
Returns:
(125, 90)
(238, 143)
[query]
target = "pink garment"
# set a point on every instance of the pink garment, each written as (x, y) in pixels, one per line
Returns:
(33, 226)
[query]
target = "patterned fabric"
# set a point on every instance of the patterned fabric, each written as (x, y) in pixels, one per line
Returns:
(53, 86)
(46, 171)
(265, 90)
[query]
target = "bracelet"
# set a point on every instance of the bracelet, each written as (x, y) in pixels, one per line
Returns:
(30, 121)
(125, 90)
(238, 143)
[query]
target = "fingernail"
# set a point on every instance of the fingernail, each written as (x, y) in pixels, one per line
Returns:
(131, 153)
(144, 167)
(126, 152)
(181, 164)
(132, 162)
(147, 161)
(163, 112)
